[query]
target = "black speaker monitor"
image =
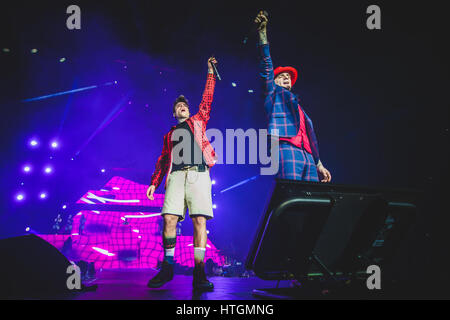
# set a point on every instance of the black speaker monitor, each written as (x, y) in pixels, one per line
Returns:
(312, 227)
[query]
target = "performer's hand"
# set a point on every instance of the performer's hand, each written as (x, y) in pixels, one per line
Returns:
(210, 67)
(150, 192)
(262, 20)
(324, 173)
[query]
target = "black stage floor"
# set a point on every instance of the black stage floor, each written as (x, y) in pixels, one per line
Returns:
(131, 284)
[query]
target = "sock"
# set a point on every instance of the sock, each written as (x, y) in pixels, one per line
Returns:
(199, 255)
(169, 248)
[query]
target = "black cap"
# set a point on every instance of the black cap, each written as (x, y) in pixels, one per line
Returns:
(180, 98)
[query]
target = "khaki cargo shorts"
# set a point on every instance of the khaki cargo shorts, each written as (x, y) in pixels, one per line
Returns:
(188, 189)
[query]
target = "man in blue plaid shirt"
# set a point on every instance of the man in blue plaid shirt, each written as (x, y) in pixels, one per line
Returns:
(299, 151)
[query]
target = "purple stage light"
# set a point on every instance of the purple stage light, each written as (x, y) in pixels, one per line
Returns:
(214, 206)
(213, 181)
(27, 229)
(48, 170)
(33, 143)
(103, 170)
(20, 197)
(64, 206)
(43, 195)
(54, 144)
(27, 168)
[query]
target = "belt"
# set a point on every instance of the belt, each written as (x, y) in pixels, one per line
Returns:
(199, 168)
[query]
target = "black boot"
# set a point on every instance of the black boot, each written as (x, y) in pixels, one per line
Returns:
(200, 282)
(164, 275)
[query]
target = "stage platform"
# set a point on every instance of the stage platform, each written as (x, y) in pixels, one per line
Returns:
(131, 284)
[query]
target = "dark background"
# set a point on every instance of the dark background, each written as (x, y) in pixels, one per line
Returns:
(378, 99)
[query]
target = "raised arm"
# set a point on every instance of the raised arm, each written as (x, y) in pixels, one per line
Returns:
(204, 109)
(265, 63)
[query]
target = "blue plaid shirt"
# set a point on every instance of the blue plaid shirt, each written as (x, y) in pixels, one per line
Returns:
(282, 105)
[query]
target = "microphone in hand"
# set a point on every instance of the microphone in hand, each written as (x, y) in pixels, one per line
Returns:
(212, 62)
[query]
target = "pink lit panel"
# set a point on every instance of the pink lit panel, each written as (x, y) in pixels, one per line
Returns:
(113, 239)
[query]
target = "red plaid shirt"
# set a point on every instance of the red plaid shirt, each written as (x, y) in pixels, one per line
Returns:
(197, 123)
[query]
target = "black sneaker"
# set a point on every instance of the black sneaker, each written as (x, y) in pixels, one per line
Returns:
(200, 282)
(164, 275)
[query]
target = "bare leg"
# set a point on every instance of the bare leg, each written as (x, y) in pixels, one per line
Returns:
(200, 236)
(170, 226)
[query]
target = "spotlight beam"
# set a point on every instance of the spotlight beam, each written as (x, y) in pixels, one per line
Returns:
(66, 110)
(239, 184)
(109, 118)
(67, 92)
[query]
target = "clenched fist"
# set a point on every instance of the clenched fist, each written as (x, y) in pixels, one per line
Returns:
(262, 20)
(210, 61)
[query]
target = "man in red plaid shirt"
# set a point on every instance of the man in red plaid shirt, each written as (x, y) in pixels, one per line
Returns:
(186, 158)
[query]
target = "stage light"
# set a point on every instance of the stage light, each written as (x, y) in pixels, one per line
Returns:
(33, 143)
(27, 229)
(214, 206)
(34, 50)
(250, 91)
(64, 206)
(213, 181)
(43, 195)
(62, 59)
(233, 84)
(20, 197)
(103, 170)
(115, 82)
(27, 168)
(48, 170)
(54, 144)
(72, 159)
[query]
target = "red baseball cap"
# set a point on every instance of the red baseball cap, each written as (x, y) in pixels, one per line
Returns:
(292, 71)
